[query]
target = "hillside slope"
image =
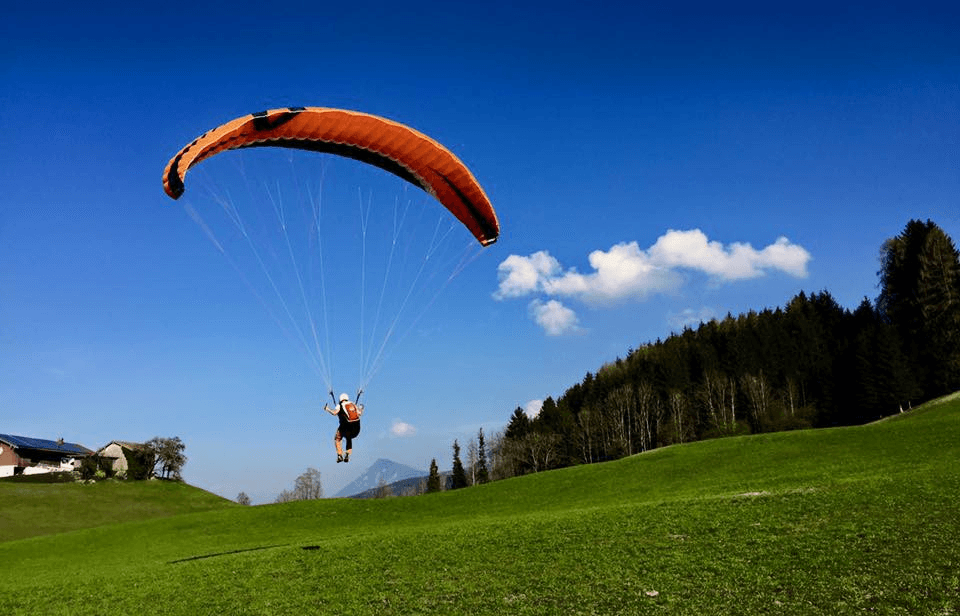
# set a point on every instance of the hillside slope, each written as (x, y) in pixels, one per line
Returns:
(33, 509)
(838, 521)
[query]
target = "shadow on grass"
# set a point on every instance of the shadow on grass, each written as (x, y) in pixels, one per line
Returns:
(205, 556)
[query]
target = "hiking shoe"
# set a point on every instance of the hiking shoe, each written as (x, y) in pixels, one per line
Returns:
(346, 458)
(339, 458)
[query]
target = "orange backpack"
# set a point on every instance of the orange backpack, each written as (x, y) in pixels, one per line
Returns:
(351, 410)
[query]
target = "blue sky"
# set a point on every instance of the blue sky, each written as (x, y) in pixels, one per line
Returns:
(649, 166)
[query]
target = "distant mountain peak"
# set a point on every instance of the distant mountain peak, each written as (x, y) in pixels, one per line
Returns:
(386, 470)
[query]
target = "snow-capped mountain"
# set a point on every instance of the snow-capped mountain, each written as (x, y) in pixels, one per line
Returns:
(386, 470)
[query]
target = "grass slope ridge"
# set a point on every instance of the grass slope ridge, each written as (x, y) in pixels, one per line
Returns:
(838, 521)
(33, 509)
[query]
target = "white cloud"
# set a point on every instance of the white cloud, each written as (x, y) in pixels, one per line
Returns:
(402, 429)
(621, 272)
(692, 250)
(555, 318)
(532, 408)
(626, 271)
(521, 276)
(786, 256)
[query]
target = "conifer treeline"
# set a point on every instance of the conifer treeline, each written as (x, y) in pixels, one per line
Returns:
(811, 363)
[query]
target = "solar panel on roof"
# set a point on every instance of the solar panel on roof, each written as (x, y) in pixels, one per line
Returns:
(44, 444)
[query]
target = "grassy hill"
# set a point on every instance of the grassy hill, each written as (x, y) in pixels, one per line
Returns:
(33, 509)
(841, 521)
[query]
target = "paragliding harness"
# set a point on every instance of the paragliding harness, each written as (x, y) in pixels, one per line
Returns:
(351, 411)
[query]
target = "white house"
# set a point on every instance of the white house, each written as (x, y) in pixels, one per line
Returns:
(28, 456)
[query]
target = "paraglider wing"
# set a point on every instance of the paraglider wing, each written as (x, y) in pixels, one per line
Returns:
(396, 148)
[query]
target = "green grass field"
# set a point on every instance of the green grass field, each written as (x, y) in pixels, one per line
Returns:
(32, 509)
(858, 520)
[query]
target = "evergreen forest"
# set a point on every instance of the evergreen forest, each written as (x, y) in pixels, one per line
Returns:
(811, 363)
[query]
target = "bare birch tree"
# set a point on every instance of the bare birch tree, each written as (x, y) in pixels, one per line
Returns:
(646, 401)
(383, 489)
(308, 485)
(503, 456)
(540, 449)
(680, 414)
(710, 395)
(622, 402)
(758, 393)
(473, 458)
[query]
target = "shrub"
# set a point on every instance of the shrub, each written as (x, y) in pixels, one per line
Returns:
(95, 467)
(57, 477)
(139, 463)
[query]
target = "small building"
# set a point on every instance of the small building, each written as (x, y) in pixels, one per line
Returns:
(26, 455)
(117, 453)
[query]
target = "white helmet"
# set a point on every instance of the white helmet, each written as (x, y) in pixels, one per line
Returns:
(344, 397)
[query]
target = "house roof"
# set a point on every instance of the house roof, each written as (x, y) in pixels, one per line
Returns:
(41, 444)
(124, 445)
(130, 445)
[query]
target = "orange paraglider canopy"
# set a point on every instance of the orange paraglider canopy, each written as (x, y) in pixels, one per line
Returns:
(396, 148)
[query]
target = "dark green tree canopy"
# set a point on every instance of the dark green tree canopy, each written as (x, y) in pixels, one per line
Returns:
(920, 297)
(482, 472)
(458, 477)
(433, 481)
(169, 458)
(519, 424)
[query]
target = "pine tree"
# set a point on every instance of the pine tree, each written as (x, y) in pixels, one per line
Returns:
(458, 477)
(483, 475)
(920, 296)
(433, 482)
(518, 426)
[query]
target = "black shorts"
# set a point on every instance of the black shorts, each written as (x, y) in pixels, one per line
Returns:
(349, 429)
